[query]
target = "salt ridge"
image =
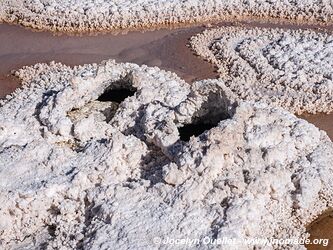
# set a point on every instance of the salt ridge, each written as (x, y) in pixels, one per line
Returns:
(79, 172)
(287, 68)
(103, 15)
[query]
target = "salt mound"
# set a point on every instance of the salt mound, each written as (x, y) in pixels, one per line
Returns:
(288, 68)
(80, 168)
(103, 15)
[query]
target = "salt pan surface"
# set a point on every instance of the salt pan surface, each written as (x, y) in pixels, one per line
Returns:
(288, 68)
(79, 172)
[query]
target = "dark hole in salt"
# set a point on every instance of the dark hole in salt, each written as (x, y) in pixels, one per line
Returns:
(194, 130)
(216, 108)
(116, 95)
(199, 127)
(52, 230)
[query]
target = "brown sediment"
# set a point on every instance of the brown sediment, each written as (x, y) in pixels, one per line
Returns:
(322, 121)
(166, 49)
(322, 228)
(8, 84)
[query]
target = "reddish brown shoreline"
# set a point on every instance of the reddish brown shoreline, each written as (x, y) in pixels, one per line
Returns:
(322, 229)
(178, 23)
(166, 49)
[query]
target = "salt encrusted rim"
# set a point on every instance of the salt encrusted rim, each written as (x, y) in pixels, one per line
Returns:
(201, 43)
(76, 22)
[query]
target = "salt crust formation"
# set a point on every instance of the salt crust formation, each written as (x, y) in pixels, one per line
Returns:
(78, 172)
(288, 68)
(104, 15)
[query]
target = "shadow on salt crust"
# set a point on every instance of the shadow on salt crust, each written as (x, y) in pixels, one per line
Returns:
(118, 91)
(287, 68)
(73, 177)
(92, 15)
(213, 110)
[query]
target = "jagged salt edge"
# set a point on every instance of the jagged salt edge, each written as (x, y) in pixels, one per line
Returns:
(103, 16)
(200, 44)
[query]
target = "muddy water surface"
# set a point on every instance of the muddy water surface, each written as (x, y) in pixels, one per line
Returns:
(164, 48)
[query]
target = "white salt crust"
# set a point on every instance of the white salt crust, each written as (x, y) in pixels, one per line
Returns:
(292, 69)
(80, 173)
(106, 15)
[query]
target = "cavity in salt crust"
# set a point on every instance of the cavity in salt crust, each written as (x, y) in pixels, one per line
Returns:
(104, 15)
(79, 171)
(288, 68)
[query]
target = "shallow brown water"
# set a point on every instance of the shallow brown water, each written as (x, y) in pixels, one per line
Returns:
(164, 48)
(322, 121)
(322, 229)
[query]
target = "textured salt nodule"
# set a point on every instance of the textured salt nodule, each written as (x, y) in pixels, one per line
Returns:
(93, 15)
(79, 172)
(287, 68)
